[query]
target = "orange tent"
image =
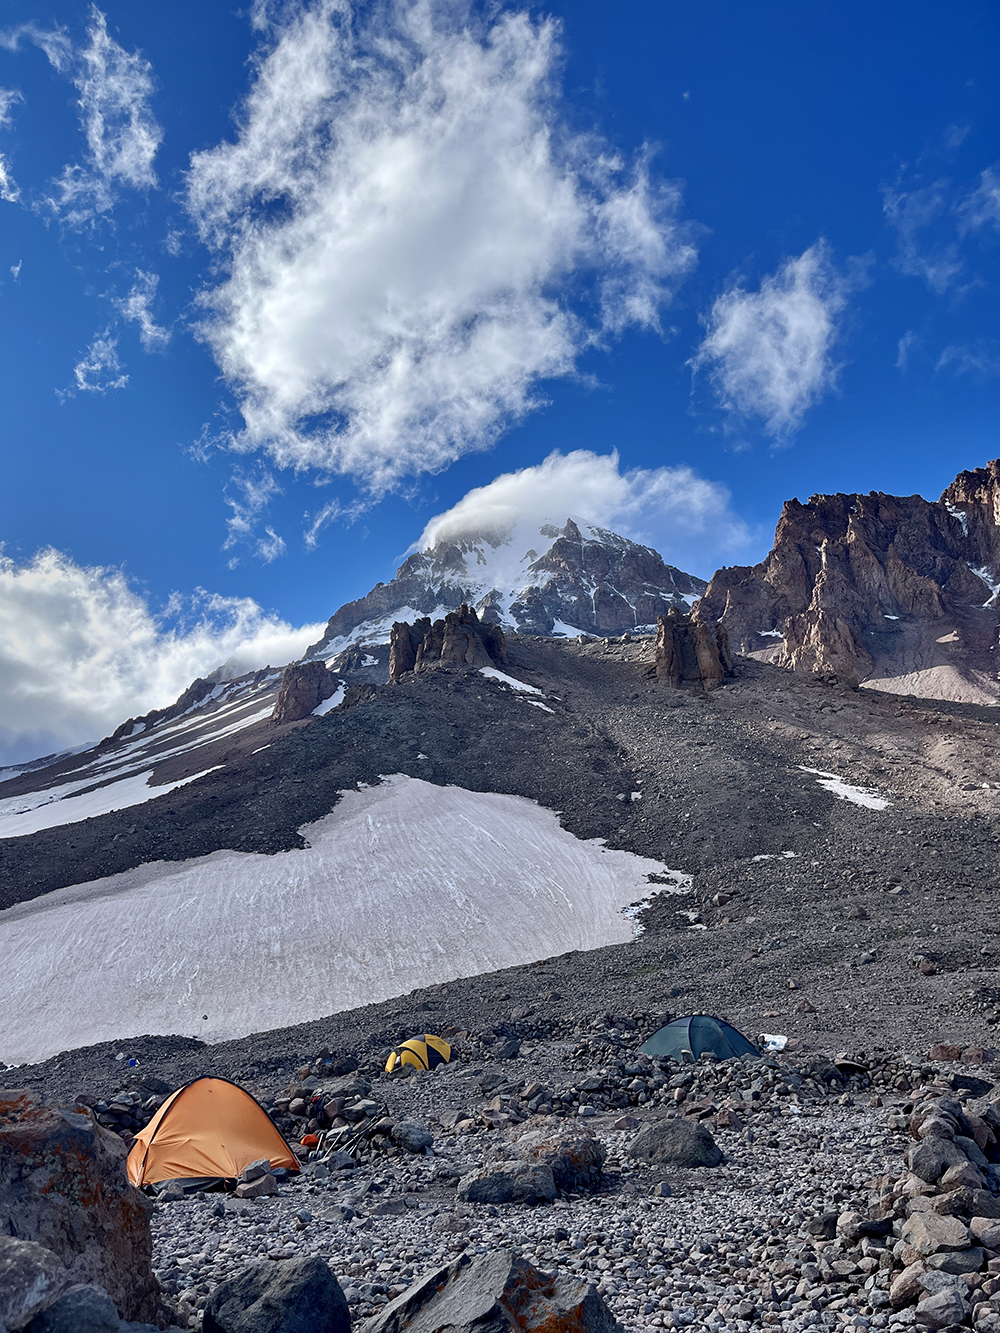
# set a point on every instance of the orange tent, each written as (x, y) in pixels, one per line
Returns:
(209, 1129)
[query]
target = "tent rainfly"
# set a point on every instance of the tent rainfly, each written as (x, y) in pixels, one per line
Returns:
(209, 1130)
(687, 1038)
(423, 1052)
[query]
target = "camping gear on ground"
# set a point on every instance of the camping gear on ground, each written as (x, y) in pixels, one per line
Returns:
(424, 1052)
(206, 1133)
(698, 1034)
(773, 1041)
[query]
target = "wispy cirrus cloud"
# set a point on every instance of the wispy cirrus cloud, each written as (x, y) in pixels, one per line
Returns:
(248, 495)
(137, 308)
(980, 360)
(770, 353)
(925, 248)
(121, 132)
(414, 239)
(99, 369)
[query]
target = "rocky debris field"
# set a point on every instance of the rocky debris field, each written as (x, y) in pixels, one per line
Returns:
(791, 1191)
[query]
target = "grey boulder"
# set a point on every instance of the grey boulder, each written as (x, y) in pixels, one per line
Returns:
(411, 1135)
(943, 1309)
(491, 1293)
(291, 1296)
(83, 1309)
(930, 1158)
(676, 1142)
(513, 1182)
(31, 1279)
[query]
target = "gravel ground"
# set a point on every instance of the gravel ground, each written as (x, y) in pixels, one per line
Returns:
(727, 1249)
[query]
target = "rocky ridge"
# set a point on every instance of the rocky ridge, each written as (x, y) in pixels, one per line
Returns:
(899, 593)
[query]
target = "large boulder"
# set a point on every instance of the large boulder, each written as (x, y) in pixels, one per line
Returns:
(411, 1135)
(932, 1157)
(304, 686)
(491, 1293)
(83, 1309)
(676, 1142)
(509, 1182)
(575, 1160)
(290, 1296)
(63, 1184)
(31, 1279)
(929, 1233)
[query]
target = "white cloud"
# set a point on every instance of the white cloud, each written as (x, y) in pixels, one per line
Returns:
(770, 352)
(683, 516)
(9, 190)
(909, 344)
(122, 134)
(100, 369)
(80, 650)
(248, 496)
(979, 360)
(413, 237)
(9, 97)
(913, 212)
(982, 207)
(138, 308)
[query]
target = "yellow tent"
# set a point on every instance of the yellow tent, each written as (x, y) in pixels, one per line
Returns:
(209, 1129)
(424, 1052)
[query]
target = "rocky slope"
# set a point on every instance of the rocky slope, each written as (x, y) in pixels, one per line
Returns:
(577, 578)
(898, 593)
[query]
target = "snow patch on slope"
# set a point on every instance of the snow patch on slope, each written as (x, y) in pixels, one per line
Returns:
(258, 942)
(519, 685)
(866, 796)
(61, 806)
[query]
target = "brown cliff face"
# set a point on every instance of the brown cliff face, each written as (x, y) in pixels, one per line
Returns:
(460, 639)
(891, 591)
(691, 652)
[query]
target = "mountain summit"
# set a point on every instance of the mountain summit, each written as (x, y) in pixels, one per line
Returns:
(549, 580)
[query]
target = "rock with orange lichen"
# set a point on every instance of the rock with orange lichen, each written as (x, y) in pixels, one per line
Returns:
(63, 1185)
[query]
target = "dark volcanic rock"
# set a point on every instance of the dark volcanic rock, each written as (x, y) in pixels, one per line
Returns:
(31, 1279)
(509, 1182)
(874, 587)
(83, 1309)
(304, 686)
(493, 1292)
(63, 1184)
(676, 1142)
(291, 1296)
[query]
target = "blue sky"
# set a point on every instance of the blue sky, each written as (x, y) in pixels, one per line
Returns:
(251, 348)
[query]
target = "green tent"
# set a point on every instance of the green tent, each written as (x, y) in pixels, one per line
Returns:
(687, 1038)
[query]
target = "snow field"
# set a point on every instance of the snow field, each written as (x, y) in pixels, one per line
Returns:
(403, 885)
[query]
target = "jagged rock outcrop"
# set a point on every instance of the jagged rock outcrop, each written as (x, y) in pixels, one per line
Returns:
(579, 576)
(894, 591)
(63, 1186)
(690, 651)
(460, 639)
(304, 686)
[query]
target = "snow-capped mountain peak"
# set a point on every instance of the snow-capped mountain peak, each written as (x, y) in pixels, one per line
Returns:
(534, 578)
